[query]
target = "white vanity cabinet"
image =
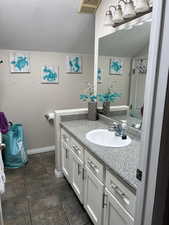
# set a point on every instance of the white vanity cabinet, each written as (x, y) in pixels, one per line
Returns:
(66, 161)
(65, 140)
(114, 212)
(72, 163)
(119, 202)
(106, 199)
(93, 195)
(77, 176)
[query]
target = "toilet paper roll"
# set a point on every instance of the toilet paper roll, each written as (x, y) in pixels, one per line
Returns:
(50, 116)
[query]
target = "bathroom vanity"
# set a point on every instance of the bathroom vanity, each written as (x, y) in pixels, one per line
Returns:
(103, 178)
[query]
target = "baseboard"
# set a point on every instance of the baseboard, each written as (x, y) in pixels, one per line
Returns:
(58, 173)
(41, 150)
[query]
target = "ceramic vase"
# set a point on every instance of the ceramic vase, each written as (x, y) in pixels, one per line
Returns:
(106, 108)
(92, 111)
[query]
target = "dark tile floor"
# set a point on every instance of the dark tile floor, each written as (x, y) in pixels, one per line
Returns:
(34, 196)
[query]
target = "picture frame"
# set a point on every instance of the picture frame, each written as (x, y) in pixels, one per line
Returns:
(19, 62)
(116, 66)
(74, 64)
(99, 75)
(49, 74)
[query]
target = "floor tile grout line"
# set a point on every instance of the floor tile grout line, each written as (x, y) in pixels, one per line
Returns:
(67, 218)
(29, 211)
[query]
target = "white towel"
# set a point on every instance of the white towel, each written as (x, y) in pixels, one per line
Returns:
(2, 174)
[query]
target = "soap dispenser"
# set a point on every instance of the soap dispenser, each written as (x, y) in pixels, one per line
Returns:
(124, 129)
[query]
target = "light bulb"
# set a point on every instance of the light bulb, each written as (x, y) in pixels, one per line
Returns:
(108, 19)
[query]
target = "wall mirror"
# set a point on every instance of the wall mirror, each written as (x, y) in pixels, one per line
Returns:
(122, 69)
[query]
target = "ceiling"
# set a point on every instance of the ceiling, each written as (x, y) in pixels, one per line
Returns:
(126, 43)
(45, 25)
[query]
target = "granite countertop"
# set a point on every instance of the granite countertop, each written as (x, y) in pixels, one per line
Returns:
(122, 161)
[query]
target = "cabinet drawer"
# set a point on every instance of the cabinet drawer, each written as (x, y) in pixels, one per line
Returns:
(94, 166)
(77, 149)
(122, 193)
(65, 137)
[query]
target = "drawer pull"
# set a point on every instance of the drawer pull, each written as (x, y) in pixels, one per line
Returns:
(93, 166)
(105, 197)
(112, 185)
(67, 155)
(79, 169)
(83, 174)
(76, 148)
(126, 200)
(121, 194)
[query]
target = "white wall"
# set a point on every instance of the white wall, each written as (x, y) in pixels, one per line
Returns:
(25, 100)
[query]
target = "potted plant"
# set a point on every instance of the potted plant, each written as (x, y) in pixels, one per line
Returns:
(107, 98)
(91, 98)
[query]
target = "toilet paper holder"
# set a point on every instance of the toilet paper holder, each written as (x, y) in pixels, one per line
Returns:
(49, 116)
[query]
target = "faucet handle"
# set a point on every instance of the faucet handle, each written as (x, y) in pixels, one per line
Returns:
(114, 124)
(124, 123)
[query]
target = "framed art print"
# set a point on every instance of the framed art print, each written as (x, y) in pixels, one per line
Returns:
(116, 66)
(99, 76)
(50, 75)
(74, 64)
(19, 62)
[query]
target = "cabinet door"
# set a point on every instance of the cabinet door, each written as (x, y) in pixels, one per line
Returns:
(77, 176)
(93, 197)
(115, 213)
(66, 161)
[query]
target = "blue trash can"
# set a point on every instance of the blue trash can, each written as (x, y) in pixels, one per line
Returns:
(15, 153)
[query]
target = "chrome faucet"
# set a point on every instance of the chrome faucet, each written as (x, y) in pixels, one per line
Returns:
(120, 128)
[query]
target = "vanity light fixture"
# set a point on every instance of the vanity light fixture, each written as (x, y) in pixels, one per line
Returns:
(108, 17)
(128, 10)
(141, 6)
(151, 3)
(117, 15)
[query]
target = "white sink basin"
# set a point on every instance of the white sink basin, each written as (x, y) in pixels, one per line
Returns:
(106, 138)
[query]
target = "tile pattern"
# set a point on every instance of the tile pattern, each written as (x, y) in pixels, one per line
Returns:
(34, 196)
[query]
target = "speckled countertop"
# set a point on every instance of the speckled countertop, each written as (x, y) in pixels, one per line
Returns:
(122, 161)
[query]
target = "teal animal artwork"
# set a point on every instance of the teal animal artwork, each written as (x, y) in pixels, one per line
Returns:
(116, 66)
(50, 74)
(99, 75)
(74, 64)
(20, 63)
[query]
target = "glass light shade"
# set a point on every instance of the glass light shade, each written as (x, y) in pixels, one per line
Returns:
(150, 3)
(108, 19)
(141, 6)
(118, 16)
(129, 10)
